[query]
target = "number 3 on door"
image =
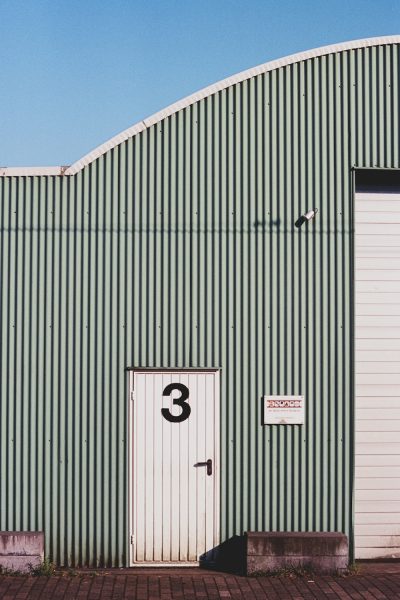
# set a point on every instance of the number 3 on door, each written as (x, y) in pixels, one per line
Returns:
(181, 401)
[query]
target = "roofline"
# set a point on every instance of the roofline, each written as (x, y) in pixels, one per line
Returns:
(31, 171)
(200, 95)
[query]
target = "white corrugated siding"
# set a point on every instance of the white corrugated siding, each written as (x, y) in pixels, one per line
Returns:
(377, 332)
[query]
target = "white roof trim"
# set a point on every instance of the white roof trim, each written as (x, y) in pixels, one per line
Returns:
(201, 94)
(31, 171)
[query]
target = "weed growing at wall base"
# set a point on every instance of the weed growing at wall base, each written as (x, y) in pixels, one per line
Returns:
(45, 569)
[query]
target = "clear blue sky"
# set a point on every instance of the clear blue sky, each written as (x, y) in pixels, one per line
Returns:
(75, 73)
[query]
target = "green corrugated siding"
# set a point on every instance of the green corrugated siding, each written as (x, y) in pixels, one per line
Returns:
(178, 249)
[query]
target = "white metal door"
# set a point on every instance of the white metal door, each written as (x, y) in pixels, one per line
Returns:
(377, 366)
(175, 471)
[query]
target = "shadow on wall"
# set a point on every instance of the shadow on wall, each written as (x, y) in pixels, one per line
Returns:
(258, 228)
(228, 557)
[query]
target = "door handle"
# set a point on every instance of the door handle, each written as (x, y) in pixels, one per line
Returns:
(207, 463)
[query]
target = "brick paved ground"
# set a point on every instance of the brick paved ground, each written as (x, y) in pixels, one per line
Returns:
(375, 583)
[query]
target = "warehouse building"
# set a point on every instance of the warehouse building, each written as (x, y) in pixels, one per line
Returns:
(186, 357)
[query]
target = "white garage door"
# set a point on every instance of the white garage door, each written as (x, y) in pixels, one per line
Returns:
(377, 366)
(175, 471)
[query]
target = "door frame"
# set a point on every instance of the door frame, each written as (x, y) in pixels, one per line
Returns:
(133, 371)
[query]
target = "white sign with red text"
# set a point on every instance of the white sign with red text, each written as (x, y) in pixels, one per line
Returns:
(283, 410)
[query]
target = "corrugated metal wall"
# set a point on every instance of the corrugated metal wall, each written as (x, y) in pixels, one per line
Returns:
(178, 248)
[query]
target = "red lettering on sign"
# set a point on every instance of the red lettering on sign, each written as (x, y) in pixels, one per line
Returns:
(283, 403)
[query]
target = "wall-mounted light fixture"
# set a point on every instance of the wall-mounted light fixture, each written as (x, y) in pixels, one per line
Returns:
(308, 216)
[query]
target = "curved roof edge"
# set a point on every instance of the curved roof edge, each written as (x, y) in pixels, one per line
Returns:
(200, 95)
